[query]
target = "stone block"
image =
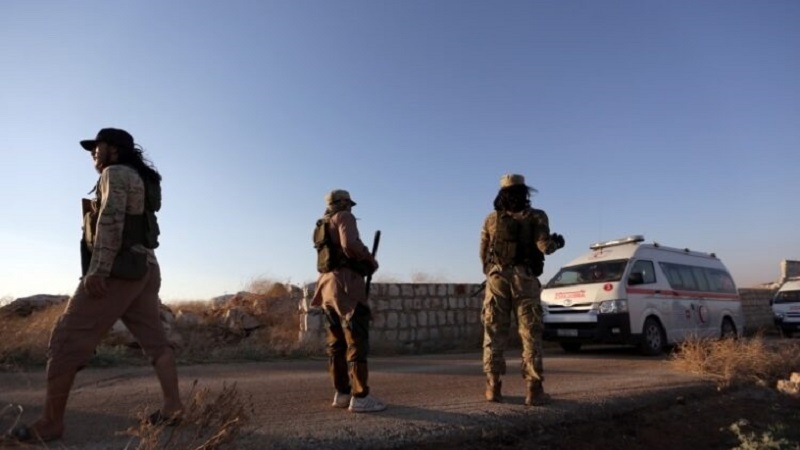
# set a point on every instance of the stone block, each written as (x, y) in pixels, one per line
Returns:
(404, 335)
(392, 320)
(378, 320)
(396, 304)
(422, 334)
(422, 318)
(381, 304)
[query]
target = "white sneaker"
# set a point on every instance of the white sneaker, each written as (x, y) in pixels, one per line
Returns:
(341, 400)
(366, 404)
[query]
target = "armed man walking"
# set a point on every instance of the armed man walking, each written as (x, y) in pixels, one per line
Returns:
(343, 261)
(121, 280)
(514, 239)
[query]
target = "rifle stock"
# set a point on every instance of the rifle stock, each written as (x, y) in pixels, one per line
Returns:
(375, 242)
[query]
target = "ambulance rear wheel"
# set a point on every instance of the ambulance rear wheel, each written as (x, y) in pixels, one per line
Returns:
(728, 330)
(653, 338)
(571, 347)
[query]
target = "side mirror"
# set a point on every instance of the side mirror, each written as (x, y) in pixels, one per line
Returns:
(635, 278)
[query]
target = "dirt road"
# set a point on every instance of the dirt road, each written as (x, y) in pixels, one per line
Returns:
(431, 398)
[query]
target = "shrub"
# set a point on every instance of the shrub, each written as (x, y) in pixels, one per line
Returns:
(739, 361)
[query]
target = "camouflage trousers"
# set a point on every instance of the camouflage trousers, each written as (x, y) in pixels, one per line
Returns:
(512, 290)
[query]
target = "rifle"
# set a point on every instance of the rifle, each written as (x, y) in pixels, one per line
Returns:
(480, 289)
(375, 242)
(86, 254)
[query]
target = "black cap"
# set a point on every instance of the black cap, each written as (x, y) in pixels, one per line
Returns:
(113, 136)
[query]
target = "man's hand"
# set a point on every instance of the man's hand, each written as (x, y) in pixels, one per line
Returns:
(374, 264)
(95, 284)
(558, 239)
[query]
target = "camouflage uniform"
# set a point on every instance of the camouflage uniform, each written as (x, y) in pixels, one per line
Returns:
(513, 287)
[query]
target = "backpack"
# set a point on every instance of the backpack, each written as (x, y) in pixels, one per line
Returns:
(327, 254)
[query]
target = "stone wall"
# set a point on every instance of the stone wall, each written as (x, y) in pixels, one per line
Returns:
(414, 318)
(756, 309)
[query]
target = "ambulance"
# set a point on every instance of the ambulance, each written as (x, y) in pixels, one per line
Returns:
(629, 292)
(786, 307)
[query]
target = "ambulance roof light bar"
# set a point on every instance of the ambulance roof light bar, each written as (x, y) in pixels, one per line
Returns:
(621, 241)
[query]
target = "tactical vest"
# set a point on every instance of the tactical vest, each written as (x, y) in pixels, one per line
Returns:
(514, 243)
(139, 229)
(329, 255)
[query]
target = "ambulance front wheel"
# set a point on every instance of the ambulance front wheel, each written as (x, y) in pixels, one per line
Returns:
(653, 338)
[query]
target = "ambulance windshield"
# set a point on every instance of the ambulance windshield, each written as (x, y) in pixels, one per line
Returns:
(595, 272)
(787, 297)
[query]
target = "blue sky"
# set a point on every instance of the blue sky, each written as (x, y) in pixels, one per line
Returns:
(678, 120)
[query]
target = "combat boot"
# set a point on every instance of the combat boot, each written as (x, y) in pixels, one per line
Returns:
(493, 386)
(535, 396)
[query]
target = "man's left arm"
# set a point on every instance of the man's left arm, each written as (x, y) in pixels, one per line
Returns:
(110, 221)
(350, 240)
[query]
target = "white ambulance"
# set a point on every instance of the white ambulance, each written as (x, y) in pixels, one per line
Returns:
(786, 307)
(629, 292)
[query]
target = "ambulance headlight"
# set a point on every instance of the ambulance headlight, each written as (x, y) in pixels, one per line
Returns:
(613, 306)
(779, 315)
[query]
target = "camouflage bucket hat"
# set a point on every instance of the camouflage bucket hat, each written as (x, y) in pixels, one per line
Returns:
(338, 195)
(511, 179)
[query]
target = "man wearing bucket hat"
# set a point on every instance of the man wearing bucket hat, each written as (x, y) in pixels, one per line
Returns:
(343, 261)
(121, 280)
(514, 239)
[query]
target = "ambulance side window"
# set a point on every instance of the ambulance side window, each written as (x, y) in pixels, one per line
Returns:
(642, 273)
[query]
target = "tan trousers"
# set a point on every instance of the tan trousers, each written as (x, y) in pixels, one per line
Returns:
(87, 319)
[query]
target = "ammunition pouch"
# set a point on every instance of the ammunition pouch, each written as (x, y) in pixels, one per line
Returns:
(129, 265)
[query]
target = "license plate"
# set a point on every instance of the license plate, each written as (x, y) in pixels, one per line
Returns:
(567, 332)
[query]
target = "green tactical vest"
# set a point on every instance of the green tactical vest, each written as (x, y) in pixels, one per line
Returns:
(514, 243)
(329, 256)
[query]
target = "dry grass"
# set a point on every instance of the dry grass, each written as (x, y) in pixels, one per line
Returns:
(211, 421)
(24, 339)
(272, 304)
(730, 362)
